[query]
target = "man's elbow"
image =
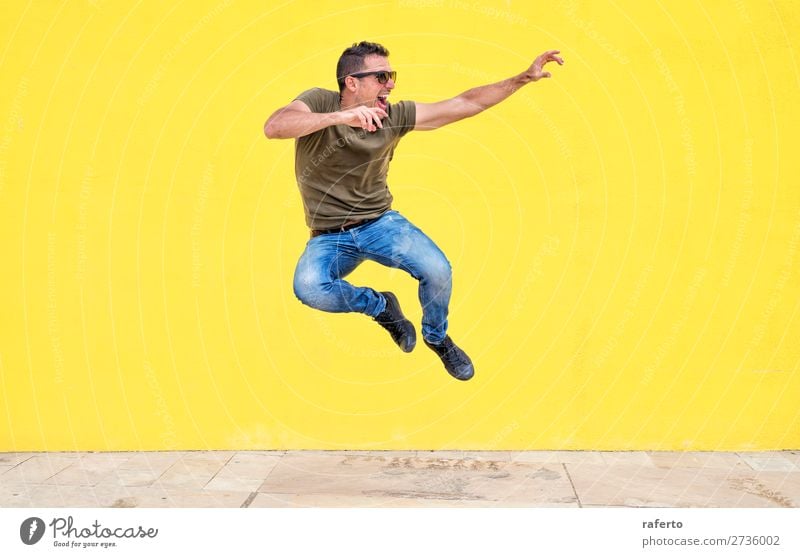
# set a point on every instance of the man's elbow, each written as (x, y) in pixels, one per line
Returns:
(272, 131)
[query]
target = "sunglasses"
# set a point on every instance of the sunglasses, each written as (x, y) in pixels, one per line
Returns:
(382, 76)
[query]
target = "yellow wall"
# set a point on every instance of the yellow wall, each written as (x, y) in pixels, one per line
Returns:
(625, 235)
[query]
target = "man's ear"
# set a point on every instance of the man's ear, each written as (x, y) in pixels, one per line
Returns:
(350, 83)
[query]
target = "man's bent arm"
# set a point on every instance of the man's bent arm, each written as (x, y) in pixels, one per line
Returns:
(472, 102)
(297, 120)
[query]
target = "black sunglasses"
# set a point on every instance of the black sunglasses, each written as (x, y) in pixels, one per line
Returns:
(382, 76)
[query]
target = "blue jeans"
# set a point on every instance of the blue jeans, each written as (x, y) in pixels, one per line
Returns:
(390, 240)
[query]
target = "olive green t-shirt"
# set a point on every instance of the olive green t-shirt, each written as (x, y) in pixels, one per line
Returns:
(341, 171)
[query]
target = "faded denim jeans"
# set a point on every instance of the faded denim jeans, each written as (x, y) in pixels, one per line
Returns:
(390, 240)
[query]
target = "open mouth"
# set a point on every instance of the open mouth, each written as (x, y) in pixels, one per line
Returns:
(382, 101)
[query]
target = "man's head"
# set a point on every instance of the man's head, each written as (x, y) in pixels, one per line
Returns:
(364, 75)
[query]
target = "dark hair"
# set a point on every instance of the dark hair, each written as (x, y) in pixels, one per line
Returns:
(352, 59)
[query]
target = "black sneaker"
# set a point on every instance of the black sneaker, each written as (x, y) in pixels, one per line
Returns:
(455, 360)
(393, 320)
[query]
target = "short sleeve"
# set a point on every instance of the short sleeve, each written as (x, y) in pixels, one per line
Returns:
(315, 99)
(403, 116)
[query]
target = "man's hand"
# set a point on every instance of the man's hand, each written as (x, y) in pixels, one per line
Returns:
(362, 117)
(535, 72)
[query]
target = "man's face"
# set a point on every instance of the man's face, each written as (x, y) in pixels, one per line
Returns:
(369, 92)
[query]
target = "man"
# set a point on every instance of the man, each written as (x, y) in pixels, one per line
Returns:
(344, 142)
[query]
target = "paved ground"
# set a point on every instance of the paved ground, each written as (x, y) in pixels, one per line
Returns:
(400, 479)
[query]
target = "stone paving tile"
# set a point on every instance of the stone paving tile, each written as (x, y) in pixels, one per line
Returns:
(152, 460)
(610, 507)
(141, 469)
(116, 496)
(771, 462)
(560, 457)
(507, 483)
(285, 500)
(206, 456)
(468, 455)
(413, 478)
(39, 468)
(792, 456)
(130, 478)
(626, 458)
(246, 461)
(12, 459)
(90, 469)
(58, 496)
(190, 473)
(781, 487)
(13, 495)
(104, 458)
(74, 475)
(185, 498)
(650, 486)
(224, 482)
(554, 457)
(311, 453)
(244, 472)
(674, 459)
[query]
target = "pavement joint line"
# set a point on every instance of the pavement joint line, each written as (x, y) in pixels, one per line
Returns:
(211, 479)
(271, 470)
(742, 459)
(249, 500)
(575, 491)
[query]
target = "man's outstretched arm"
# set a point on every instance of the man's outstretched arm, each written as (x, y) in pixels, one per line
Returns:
(469, 103)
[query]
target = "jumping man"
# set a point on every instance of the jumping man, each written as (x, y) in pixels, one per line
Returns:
(344, 143)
